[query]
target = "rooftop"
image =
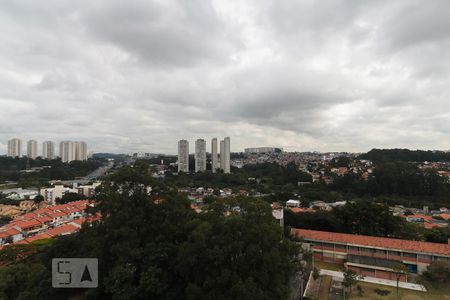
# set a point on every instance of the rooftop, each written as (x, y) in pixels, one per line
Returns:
(61, 230)
(371, 241)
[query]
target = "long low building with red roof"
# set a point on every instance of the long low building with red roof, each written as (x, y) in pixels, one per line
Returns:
(372, 256)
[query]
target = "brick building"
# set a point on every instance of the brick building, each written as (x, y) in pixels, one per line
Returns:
(372, 256)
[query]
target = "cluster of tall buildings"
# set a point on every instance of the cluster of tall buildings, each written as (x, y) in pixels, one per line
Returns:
(218, 160)
(68, 150)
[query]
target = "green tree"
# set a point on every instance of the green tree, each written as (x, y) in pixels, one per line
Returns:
(350, 278)
(151, 245)
(38, 199)
(69, 197)
(400, 270)
(438, 272)
(315, 273)
(5, 220)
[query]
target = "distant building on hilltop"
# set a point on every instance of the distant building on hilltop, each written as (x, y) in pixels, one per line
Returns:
(262, 150)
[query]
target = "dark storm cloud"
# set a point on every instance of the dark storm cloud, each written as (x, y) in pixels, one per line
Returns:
(305, 75)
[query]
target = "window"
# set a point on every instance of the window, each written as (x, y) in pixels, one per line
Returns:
(367, 250)
(424, 256)
(440, 258)
(353, 248)
(340, 246)
(410, 255)
(393, 253)
(367, 270)
(379, 251)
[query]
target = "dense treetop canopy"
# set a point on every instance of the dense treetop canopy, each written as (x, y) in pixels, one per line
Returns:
(154, 246)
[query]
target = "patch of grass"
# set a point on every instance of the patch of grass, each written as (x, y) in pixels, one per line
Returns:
(328, 266)
(369, 293)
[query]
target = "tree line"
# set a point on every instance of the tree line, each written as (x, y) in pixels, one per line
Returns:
(265, 177)
(365, 217)
(378, 155)
(399, 180)
(10, 170)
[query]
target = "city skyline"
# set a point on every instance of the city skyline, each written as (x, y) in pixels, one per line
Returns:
(218, 160)
(68, 150)
(331, 76)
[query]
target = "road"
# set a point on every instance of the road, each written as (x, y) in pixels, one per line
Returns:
(99, 172)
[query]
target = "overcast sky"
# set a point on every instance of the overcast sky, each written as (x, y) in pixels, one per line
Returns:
(129, 76)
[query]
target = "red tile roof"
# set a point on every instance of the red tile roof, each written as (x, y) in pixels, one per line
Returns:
(26, 224)
(58, 207)
(73, 210)
(43, 219)
(57, 214)
(79, 221)
(36, 237)
(28, 216)
(300, 209)
(9, 232)
(63, 229)
(42, 211)
(445, 216)
(424, 217)
(371, 241)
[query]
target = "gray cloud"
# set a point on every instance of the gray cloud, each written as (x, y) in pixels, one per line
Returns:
(308, 75)
(167, 33)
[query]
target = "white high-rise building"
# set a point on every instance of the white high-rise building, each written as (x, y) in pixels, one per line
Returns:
(80, 151)
(200, 155)
(67, 151)
(32, 149)
(15, 148)
(48, 150)
(214, 156)
(222, 150)
(225, 155)
(183, 156)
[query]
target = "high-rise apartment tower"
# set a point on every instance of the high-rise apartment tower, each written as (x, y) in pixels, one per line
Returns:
(32, 149)
(200, 155)
(48, 150)
(214, 155)
(15, 148)
(183, 156)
